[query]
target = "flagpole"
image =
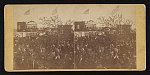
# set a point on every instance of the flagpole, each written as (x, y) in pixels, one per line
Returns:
(86, 14)
(26, 13)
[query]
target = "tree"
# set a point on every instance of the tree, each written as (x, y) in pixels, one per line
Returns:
(51, 22)
(114, 20)
(69, 22)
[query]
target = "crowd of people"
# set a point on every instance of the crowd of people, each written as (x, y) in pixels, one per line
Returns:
(110, 52)
(54, 52)
(43, 52)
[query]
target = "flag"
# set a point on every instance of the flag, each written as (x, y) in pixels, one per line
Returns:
(54, 11)
(27, 12)
(86, 11)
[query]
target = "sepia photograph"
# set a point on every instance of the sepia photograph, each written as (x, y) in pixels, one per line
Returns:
(75, 37)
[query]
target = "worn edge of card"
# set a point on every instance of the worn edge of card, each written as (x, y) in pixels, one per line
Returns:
(140, 41)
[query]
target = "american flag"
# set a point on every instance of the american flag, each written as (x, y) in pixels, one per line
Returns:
(27, 12)
(86, 11)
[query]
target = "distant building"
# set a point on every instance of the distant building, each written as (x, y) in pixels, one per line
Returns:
(31, 26)
(87, 33)
(81, 33)
(85, 29)
(26, 29)
(21, 26)
(90, 25)
(119, 29)
(123, 29)
(79, 26)
(65, 31)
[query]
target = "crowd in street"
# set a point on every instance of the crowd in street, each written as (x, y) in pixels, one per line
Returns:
(109, 51)
(51, 51)
(43, 52)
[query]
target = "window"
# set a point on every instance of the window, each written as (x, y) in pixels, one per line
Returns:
(78, 27)
(19, 27)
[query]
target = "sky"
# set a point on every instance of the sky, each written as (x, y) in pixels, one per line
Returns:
(70, 11)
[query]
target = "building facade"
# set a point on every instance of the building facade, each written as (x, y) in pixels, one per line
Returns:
(26, 29)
